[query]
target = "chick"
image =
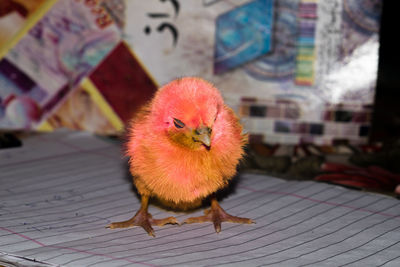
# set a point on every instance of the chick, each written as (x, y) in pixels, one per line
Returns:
(183, 147)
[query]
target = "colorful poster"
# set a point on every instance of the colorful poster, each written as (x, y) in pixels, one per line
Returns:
(123, 82)
(314, 83)
(85, 109)
(51, 60)
(243, 34)
(296, 71)
(107, 99)
(17, 17)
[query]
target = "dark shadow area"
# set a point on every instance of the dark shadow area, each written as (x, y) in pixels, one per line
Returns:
(386, 118)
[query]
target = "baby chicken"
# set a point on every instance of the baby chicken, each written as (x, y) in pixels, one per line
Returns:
(183, 147)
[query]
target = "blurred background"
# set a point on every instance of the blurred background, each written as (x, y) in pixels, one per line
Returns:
(313, 81)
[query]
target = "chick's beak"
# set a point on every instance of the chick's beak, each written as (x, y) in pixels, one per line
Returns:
(203, 135)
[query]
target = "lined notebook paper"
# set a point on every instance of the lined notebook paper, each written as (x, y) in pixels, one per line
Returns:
(59, 190)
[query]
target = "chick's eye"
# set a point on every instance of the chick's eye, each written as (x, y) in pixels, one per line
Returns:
(178, 124)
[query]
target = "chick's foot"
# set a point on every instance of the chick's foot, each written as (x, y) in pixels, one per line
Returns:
(144, 219)
(217, 215)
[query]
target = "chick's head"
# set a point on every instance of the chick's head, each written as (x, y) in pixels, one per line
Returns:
(185, 110)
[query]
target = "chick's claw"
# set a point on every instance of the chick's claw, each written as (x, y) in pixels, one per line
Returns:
(144, 219)
(217, 215)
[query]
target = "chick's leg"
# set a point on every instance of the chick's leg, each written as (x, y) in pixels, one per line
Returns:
(144, 219)
(217, 215)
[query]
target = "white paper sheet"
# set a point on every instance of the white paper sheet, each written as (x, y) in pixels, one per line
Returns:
(59, 190)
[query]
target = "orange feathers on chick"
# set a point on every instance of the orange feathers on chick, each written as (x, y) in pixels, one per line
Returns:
(183, 147)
